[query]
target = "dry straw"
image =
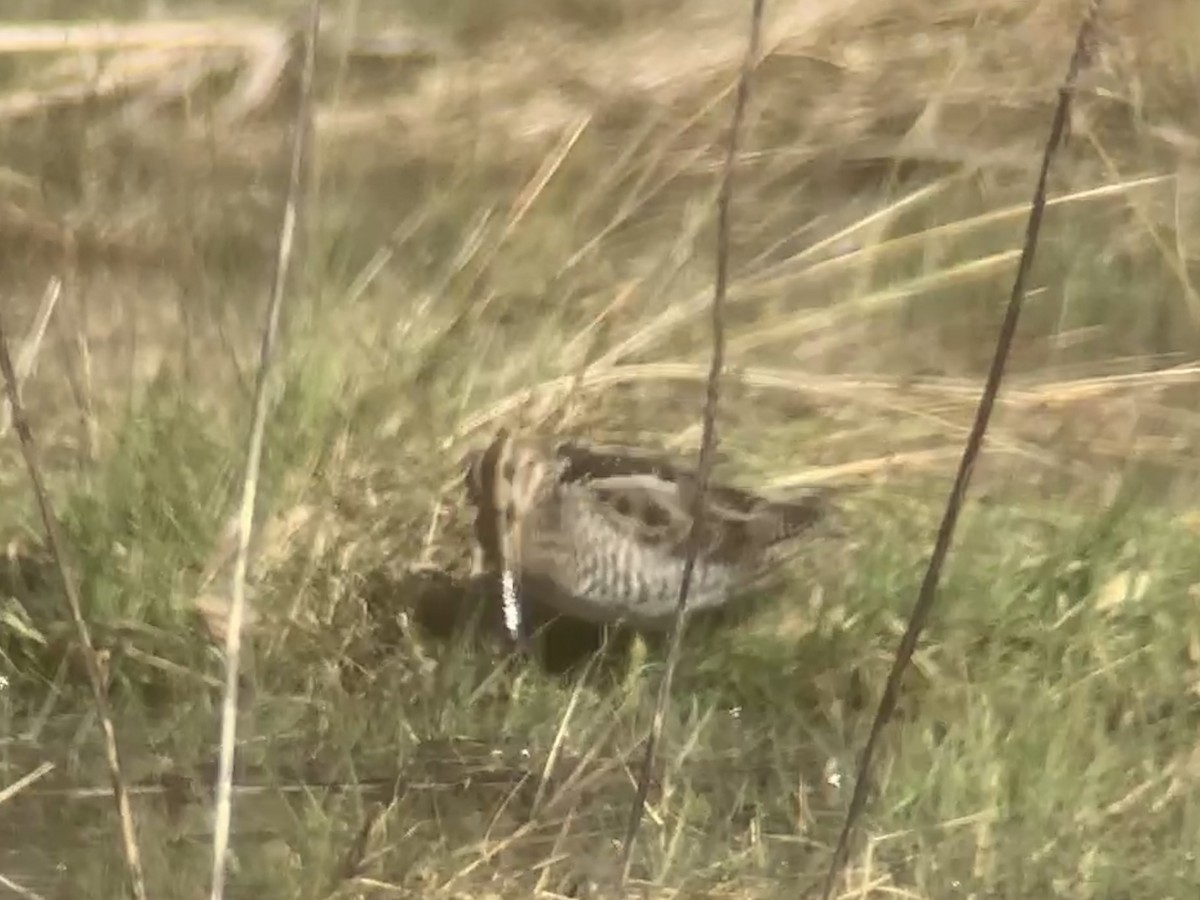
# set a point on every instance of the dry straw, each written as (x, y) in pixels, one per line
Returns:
(31, 346)
(237, 611)
(708, 438)
(928, 590)
(95, 670)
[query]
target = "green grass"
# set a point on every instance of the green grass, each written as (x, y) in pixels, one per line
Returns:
(462, 250)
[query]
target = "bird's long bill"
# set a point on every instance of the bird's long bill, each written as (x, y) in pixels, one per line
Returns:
(512, 603)
(510, 592)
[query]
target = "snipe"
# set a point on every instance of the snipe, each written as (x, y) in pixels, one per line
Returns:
(600, 533)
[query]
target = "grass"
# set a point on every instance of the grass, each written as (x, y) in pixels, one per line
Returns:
(531, 205)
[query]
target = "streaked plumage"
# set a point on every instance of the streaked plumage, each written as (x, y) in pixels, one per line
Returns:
(600, 533)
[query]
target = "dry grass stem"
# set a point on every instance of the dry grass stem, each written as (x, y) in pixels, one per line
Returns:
(927, 593)
(708, 439)
(30, 347)
(19, 889)
(237, 611)
(25, 781)
(95, 671)
(55, 38)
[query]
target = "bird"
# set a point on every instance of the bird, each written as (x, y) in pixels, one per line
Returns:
(599, 533)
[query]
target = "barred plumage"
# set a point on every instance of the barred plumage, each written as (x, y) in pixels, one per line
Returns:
(601, 533)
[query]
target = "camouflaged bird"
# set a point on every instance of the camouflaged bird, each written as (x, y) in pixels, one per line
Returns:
(600, 533)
